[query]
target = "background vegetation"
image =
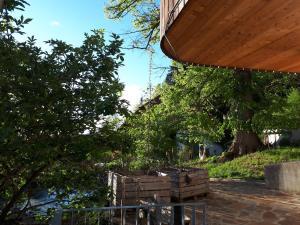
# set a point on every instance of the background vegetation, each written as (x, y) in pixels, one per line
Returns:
(250, 166)
(203, 105)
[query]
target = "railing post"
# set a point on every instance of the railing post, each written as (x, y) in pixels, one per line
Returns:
(72, 217)
(137, 215)
(122, 216)
(158, 215)
(125, 216)
(182, 215)
(178, 215)
(148, 216)
(193, 215)
(204, 215)
(110, 217)
(57, 218)
(172, 216)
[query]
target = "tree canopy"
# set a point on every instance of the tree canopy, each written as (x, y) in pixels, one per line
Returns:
(203, 105)
(53, 111)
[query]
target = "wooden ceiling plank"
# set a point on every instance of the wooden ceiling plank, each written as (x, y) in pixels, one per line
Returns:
(201, 30)
(183, 29)
(239, 34)
(261, 40)
(287, 65)
(257, 34)
(294, 68)
(270, 54)
(228, 33)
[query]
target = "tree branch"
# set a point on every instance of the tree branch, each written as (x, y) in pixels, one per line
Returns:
(18, 194)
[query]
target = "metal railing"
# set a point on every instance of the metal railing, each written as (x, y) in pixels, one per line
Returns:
(152, 214)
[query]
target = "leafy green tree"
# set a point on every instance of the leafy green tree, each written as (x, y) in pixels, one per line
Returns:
(153, 135)
(50, 105)
(292, 109)
(196, 98)
(212, 102)
(200, 104)
(287, 117)
(9, 24)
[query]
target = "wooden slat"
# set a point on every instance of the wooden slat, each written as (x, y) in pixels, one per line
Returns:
(154, 194)
(150, 179)
(194, 176)
(193, 193)
(194, 183)
(155, 186)
(147, 194)
(147, 186)
(194, 187)
(256, 34)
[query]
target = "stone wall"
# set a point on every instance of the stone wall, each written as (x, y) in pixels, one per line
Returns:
(284, 176)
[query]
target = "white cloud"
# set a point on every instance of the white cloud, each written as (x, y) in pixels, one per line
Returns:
(133, 94)
(54, 23)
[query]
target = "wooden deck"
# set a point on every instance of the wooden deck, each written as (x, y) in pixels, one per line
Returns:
(256, 34)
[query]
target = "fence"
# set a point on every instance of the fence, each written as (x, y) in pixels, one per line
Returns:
(150, 214)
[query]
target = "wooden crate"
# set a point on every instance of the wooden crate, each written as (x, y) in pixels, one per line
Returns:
(132, 188)
(187, 183)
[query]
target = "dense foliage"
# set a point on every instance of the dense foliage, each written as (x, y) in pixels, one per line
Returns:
(53, 111)
(153, 134)
(210, 102)
(204, 105)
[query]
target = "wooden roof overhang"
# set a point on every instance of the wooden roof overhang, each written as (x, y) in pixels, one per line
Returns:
(250, 34)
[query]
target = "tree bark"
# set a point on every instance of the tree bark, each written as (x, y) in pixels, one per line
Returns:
(245, 140)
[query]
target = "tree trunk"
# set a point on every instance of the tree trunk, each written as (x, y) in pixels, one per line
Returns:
(245, 140)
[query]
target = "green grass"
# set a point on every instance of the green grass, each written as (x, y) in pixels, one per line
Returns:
(246, 167)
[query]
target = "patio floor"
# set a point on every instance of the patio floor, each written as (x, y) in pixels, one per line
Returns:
(250, 203)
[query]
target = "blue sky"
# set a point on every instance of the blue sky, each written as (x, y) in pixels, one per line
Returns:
(68, 20)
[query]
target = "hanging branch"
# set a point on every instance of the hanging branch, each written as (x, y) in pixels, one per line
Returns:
(125, 8)
(145, 20)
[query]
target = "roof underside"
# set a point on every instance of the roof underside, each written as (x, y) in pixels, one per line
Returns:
(254, 34)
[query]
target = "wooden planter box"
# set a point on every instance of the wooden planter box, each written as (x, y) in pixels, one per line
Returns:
(187, 183)
(133, 188)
